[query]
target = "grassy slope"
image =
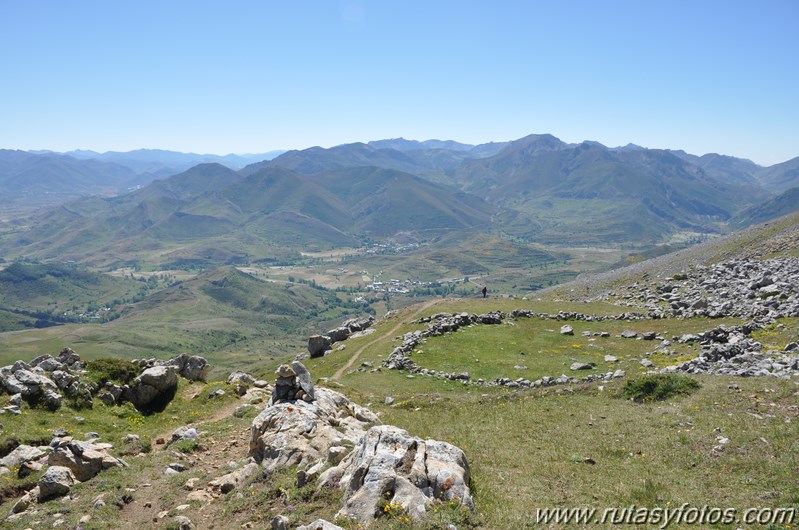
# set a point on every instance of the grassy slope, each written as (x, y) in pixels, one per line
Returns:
(60, 287)
(225, 315)
(525, 448)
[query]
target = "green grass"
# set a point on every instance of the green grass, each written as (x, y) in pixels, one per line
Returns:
(521, 447)
(492, 351)
(527, 449)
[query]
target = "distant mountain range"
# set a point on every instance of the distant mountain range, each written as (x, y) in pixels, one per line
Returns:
(211, 213)
(44, 178)
(536, 189)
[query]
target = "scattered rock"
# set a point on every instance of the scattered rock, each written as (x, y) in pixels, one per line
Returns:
(183, 433)
(56, 482)
(181, 522)
(22, 453)
(231, 481)
(320, 524)
(581, 366)
(566, 330)
(280, 522)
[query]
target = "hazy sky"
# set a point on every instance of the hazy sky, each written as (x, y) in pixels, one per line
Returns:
(253, 76)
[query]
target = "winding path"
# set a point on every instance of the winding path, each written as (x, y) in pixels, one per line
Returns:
(393, 330)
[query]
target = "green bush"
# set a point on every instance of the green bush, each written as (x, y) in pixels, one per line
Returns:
(118, 371)
(658, 387)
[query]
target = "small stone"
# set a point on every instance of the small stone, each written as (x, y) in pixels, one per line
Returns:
(285, 370)
(280, 522)
(336, 454)
(566, 330)
(182, 522)
(191, 484)
(581, 366)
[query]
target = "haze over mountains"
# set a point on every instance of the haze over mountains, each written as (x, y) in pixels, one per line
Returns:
(536, 189)
(42, 178)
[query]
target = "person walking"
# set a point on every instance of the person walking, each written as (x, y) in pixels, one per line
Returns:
(485, 291)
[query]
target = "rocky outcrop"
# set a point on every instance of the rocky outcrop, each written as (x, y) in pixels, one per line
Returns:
(31, 384)
(385, 464)
(318, 345)
(191, 367)
(743, 287)
(732, 351)
(300, 433)
(389, 465)
(47, 380)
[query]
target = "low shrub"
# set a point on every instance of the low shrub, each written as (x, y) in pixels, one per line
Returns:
(657, 387)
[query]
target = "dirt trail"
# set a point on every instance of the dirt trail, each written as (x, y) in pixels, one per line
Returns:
(218, 415)
(393, 330)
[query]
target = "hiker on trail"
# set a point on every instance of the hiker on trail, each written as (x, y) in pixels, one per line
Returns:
(485, 291)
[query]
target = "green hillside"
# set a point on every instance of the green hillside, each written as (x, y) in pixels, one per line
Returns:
(61, 293)
(224, 314)
(209, 215)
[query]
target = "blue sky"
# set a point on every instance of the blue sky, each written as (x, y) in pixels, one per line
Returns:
(253, 76)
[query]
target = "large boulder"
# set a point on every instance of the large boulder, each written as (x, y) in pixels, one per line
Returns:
(359, 324)
(56, 482)
(300, 433)
(238, 377)
(390, 465)
(196, 369)
(33, 383)
(318, 345)
(338, 334)
(154, 388)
